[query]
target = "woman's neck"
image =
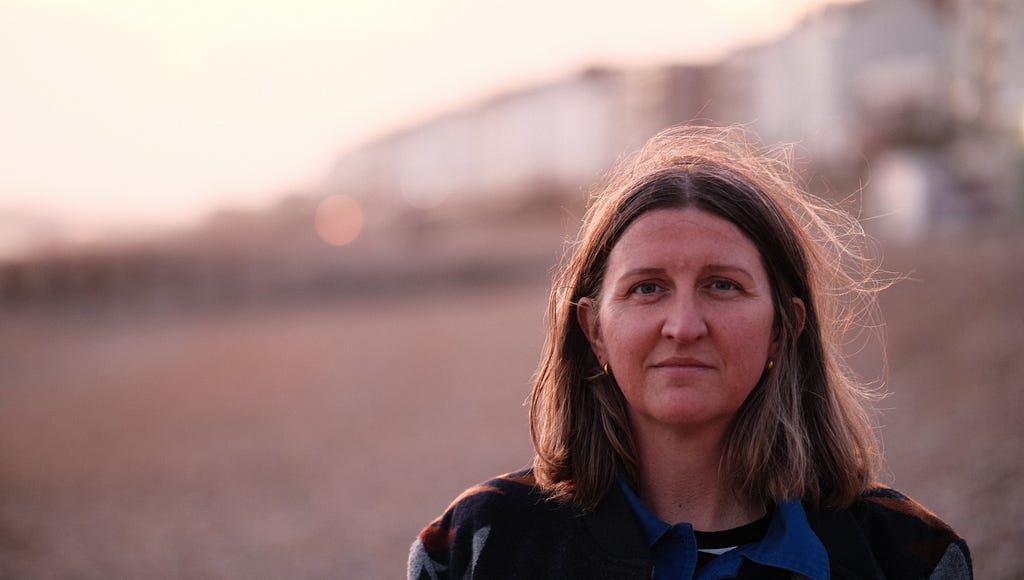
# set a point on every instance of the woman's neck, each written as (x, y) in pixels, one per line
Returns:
(682, 479)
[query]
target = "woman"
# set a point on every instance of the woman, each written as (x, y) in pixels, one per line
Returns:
(692, 415)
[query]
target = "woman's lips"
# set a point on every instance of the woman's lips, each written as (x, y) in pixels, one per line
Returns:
(682, 369)
(683, 363)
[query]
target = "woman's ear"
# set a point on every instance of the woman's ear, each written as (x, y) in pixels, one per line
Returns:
(800, 314)
(586, 316)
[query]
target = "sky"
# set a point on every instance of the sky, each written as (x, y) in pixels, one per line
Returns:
(122, 116)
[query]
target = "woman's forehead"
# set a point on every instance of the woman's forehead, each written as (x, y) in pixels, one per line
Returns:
(686, 231)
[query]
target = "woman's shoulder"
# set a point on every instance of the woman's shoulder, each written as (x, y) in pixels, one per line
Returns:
(887, 532)
(516, 489)
(888, 502)
(499, 509)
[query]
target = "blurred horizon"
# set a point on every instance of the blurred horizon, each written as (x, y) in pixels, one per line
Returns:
(123, 119)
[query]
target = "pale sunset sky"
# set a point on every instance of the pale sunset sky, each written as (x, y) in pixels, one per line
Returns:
(122, 115)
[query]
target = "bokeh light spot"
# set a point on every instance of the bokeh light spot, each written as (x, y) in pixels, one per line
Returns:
(338, 220)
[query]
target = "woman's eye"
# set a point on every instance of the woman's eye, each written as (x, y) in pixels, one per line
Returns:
(724, 285)
(646, 288)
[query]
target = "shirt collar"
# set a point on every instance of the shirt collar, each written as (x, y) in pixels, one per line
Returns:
(789, 543)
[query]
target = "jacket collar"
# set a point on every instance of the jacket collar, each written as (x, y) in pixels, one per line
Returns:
(614, 527)
(848, 548)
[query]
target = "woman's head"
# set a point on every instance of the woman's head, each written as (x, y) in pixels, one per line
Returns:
(684, 320)
(801, 431)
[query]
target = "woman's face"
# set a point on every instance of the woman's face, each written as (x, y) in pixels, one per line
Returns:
(684, 320)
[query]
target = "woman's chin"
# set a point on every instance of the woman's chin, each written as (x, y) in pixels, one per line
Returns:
(685, 415)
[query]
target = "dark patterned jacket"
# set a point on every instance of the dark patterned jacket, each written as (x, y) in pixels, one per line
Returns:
(507, 528)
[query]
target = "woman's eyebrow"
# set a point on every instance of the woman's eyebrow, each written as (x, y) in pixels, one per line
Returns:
(642, 271)
(727, 268)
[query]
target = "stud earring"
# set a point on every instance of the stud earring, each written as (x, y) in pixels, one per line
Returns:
(605, 369)
(771, 364)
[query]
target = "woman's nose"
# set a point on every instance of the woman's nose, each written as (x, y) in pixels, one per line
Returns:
(684, 320)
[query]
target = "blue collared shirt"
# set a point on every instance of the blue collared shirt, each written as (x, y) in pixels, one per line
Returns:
(789, 544)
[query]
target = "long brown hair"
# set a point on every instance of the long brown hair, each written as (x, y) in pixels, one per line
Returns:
(803, 432)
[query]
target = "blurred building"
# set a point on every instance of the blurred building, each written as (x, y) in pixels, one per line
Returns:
(850, 85)
(845, 66)
(549, 139)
